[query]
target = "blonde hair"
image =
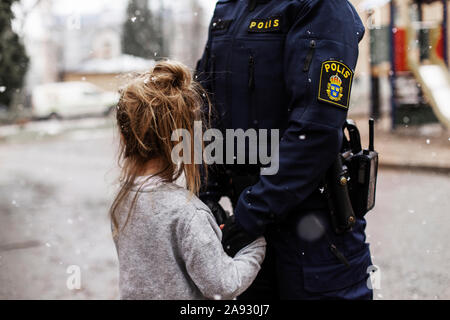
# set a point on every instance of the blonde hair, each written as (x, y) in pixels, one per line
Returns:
(152, 106)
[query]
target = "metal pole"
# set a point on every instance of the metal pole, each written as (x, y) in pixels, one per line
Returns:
(423, 36)
(445, 31)
(393, 73)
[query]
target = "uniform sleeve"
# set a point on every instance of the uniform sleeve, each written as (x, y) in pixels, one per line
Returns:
(217, 275)
(330, 31)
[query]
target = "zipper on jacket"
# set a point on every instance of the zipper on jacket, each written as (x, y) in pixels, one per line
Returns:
(309, 55)
(251, 73)
(205, 63)
(213, 72)
(251, 92)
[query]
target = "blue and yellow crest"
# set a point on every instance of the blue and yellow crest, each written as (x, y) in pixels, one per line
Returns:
(335, 83)
(334, 88)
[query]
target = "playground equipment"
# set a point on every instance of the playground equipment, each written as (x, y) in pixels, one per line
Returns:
(435, 82)
(418, 54)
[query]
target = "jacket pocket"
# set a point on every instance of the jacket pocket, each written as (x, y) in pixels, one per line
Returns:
(265, 86)
(219, 77)
(333, 275)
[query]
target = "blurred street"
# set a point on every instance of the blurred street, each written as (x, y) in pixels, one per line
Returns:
(408, 233)
(54, 195)
(56, 187)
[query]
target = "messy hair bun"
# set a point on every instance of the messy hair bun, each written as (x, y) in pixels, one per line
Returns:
(152, 102)
(152, 106)
(173, 75)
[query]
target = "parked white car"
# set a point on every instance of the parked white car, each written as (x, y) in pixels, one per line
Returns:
(71, 99)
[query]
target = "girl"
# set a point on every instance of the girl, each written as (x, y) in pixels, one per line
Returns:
(168, 242)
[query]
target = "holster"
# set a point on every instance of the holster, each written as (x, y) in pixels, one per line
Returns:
(338, 196)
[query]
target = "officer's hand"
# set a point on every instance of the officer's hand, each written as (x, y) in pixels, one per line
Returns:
(234, 238)
(218, 212)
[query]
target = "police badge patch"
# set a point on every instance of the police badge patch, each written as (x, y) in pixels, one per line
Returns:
(335, 83)
(272, 24)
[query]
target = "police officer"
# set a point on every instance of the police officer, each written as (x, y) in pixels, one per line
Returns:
(287, 65)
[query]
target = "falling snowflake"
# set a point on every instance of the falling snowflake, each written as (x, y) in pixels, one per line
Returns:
(310, 228)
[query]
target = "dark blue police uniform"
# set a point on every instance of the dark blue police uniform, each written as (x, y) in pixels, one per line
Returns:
(288, 65)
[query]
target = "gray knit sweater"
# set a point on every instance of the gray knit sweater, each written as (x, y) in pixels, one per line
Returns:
(171, 249)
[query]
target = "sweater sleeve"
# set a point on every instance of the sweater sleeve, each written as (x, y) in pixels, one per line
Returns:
(217, 275)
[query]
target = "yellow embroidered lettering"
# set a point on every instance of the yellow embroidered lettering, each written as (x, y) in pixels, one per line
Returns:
(265, 25)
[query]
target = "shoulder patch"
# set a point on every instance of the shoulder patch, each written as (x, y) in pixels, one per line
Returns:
(335, 83)
(272, 24)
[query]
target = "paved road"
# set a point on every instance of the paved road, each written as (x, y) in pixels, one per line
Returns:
(56, 186)
(54, 197)
(409, 235)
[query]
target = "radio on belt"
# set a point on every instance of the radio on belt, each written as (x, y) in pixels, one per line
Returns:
(363, 169)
